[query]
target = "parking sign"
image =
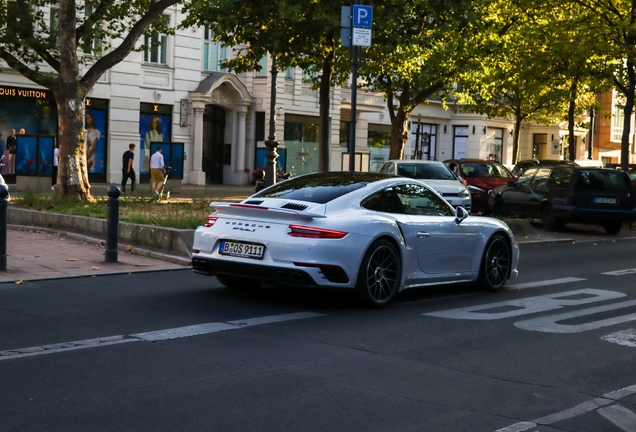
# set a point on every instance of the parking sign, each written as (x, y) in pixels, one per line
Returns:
(362, 16)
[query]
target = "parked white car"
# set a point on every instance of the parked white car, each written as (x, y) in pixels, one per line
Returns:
(436, 175)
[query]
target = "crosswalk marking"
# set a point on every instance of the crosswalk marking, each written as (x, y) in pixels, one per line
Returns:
(544, 283)
(166, 334)
(620, 272)
(620, 416)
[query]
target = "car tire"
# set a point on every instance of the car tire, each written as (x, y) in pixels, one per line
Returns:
(238, 283)
(613, 228)
(495, 264)
(499, 209)
(548, 220)
(380, 274)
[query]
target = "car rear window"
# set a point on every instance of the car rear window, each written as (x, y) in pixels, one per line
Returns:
(428, 171)
(320, 187)
(485, 170)
(602, 180)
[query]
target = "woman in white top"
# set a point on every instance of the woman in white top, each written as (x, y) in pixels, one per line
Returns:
(93, 136)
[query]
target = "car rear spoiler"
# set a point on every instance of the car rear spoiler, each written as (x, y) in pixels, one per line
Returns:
(251, 210)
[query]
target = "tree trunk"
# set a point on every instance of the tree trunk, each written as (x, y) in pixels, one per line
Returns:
(571, 108)
(628, 110)
(515, 138)
(69, 95)
(399, 123)
(323, 123)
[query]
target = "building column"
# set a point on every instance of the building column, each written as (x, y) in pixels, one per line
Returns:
(240, 148)
(197, 176)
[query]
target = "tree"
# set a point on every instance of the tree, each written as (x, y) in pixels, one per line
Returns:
(303, 33)
(615, 37)
(419, 47)
(51, 52)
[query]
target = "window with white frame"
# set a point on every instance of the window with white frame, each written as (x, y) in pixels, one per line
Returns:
(213, 52)
(263, 64)
(54, 24)
(156, 48)
(618, 121)
(289, 73)
(93, 46)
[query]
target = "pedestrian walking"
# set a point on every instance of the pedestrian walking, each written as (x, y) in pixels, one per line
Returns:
(157, 171)
(128, 172)
(56, 162)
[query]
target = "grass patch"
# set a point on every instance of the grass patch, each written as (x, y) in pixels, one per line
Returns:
(182, 213)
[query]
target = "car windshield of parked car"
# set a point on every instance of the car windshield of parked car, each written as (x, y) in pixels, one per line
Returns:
(425, 171)
(475, 169)
(320, 187)
(602, 180)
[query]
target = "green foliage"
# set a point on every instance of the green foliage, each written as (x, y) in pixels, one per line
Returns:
(182, 214)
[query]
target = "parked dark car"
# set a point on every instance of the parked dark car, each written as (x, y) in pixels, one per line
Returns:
(481, 176)
(560, 194)
(524, 165)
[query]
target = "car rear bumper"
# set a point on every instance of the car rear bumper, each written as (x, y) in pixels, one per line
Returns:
(266, 274)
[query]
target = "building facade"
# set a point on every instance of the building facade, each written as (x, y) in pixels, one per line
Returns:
(212, 124)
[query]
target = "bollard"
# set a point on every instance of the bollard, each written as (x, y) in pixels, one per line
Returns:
(4, 204)
(112, 224)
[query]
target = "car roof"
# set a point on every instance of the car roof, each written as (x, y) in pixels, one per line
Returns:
(466, 160)
(414, 161)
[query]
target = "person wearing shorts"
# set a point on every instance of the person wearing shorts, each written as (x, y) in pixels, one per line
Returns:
(157, 171)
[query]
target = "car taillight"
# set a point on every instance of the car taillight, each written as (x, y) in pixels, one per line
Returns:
(310, 232)
(210, 221)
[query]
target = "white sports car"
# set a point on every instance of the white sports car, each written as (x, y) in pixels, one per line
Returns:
(373, 233)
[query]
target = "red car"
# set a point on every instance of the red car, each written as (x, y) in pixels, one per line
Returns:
(480, 176)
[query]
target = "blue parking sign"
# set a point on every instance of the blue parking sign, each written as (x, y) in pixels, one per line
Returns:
(362, 16)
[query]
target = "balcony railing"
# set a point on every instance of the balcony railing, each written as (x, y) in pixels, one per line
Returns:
(363, 98)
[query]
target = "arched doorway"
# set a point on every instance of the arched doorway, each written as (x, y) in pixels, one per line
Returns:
(213, 137)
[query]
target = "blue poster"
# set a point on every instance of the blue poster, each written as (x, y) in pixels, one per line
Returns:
(95, 125)
(152, 128)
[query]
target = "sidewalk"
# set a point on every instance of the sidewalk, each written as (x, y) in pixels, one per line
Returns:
(36, 253)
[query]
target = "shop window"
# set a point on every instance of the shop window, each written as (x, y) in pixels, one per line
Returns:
(155, 123)
(379, 148)
(34, 155)
(301, 142)
(96, 130)
(213, 52)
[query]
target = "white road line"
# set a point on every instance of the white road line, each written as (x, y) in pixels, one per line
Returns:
(583, 408)
(620, 272)
(544, 283)
(623, 337)
(166, 334)
(620, 416)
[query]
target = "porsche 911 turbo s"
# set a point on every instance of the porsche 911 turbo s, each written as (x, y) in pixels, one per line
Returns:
(374, 233)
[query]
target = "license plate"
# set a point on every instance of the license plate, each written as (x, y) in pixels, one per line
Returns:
(600, 200)
(238, 249)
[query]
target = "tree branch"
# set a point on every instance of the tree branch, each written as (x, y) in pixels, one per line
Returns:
(45, 80)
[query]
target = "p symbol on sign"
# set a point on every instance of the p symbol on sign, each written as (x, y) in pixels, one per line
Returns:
(362, 16)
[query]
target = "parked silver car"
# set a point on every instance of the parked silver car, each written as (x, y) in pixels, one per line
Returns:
(436, 175)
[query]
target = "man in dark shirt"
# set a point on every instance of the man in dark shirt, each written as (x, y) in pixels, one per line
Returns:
(127, 170)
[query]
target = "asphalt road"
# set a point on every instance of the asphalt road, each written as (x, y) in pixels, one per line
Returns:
(173, 351)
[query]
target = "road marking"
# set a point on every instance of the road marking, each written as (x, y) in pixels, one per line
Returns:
(620, 416)
(544, 283)
(549, 324)
(528, 305)
(583, 408)
(623, 337)
(620, 272)
(166, 334)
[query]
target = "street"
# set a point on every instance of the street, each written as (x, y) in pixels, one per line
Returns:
(168, 351)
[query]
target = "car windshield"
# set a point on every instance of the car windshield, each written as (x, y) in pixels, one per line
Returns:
(476, 169)
(320, 187)
(603, 180)
(429, 171)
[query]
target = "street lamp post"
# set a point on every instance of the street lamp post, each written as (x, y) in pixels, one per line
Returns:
(271, 143)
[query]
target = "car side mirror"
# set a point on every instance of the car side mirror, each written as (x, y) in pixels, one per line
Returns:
(460, 214)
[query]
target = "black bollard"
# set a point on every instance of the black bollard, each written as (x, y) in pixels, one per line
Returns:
(4, 204)
(112, 224)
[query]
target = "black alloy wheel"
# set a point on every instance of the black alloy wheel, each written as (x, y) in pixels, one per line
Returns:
(548, 220)
(613, 228)
(380, 274)
(496, 263)
(499, 209)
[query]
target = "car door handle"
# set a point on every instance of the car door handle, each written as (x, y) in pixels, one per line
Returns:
(422, 234)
